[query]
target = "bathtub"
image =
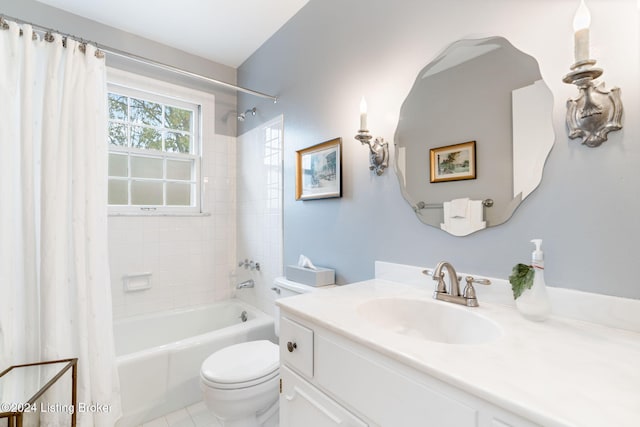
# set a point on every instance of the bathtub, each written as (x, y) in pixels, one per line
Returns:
(159, 355)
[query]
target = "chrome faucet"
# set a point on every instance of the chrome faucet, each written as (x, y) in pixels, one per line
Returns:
(249, 264)
(246, 284)
(454, 284)
(468, 296)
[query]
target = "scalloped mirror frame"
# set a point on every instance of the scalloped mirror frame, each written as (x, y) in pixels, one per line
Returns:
(462, 95)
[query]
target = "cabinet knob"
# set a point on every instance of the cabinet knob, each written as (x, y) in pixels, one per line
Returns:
(291, 346)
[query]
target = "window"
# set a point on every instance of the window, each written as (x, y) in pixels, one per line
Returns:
(273, 165)
(154, 152)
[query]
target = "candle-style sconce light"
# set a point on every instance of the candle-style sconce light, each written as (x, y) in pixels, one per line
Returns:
(596, 111)
(379, 149)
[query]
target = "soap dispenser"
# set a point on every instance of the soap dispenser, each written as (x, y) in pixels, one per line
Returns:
(534, 303)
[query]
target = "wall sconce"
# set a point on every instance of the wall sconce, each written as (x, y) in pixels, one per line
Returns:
(379, 150)
(596, 111)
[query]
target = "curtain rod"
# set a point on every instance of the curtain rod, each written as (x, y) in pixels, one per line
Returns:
(171, 68)
(142, 60)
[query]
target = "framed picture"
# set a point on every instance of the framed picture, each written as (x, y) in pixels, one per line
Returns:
(453, 162)
(319, 171)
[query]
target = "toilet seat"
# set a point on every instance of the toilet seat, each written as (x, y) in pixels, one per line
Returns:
(241, 365)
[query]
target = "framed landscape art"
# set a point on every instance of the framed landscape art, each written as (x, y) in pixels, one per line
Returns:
(319, 171)
(453, 162)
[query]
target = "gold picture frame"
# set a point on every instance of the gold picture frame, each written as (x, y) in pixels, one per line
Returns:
(319, 171)
(453, 162)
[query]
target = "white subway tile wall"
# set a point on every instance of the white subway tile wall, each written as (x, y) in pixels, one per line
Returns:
(259, 228)
(191, 258)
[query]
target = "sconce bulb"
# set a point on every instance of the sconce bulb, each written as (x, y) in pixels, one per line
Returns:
(582, 19)
(363, 114)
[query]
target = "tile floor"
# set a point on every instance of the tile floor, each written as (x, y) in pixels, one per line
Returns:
(196, 415)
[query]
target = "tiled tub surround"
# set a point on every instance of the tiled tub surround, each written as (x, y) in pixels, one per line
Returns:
(259, 227)
(191, 258)
(559, 373)
(159, 355)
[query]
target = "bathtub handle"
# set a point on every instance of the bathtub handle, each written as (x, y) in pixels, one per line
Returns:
(291, 346)
(276, 290)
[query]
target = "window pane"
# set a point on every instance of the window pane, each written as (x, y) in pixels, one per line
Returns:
(145, 112)
(118, 165)
(177, 169)
(153, 150)
(117, 134)
(146, 167)
(146, 193)
(117, 192)
(178, 119)
(118, 107)
(145, 138)
(178, 194)
(177, 142)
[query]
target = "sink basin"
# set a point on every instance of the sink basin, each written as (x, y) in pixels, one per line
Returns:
(429, 320)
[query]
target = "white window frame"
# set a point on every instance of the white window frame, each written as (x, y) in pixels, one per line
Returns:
(146, 88)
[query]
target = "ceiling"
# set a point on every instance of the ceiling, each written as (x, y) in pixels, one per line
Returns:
(224, 31)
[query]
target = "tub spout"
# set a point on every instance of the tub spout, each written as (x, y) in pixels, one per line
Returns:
(246, 284)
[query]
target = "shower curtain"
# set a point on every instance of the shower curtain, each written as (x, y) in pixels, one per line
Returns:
(55, 297)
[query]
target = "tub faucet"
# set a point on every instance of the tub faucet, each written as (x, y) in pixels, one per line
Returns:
(468, 296)
(246, 284)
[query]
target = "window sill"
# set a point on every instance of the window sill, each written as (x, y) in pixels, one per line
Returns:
(173, 214)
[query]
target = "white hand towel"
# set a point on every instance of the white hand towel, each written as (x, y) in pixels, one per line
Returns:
(458, 208)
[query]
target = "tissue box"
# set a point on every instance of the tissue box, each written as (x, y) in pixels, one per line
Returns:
(319, 277)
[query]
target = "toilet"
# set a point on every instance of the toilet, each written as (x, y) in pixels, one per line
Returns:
(240, 383)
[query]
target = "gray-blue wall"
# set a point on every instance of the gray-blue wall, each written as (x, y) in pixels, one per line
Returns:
(335, 51)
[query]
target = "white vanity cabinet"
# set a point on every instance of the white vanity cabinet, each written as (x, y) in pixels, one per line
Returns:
(302, 404)
(329, 380)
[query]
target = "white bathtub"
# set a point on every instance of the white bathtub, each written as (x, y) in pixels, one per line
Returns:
(159, 355)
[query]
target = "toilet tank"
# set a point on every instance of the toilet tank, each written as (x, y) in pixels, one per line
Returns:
(287, 288)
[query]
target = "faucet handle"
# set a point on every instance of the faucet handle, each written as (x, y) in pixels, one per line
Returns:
(429, 272)
(485, 282)
(441, 288)
(469, 291)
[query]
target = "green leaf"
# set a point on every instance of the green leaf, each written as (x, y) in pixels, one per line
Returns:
(521, 279)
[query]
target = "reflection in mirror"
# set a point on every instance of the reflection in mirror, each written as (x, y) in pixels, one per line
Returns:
(485, 91)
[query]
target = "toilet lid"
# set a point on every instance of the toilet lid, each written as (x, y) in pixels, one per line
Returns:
(242, 363)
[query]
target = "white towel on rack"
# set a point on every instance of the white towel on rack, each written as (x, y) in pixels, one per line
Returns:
(459, 208)
(462, 226)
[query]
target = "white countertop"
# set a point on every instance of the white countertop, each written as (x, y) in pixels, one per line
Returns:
(560, 372)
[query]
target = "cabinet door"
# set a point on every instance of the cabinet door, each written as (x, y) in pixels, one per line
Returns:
(300, 357)
(301, 404)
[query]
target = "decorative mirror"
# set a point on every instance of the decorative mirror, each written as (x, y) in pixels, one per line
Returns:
(473, 135)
